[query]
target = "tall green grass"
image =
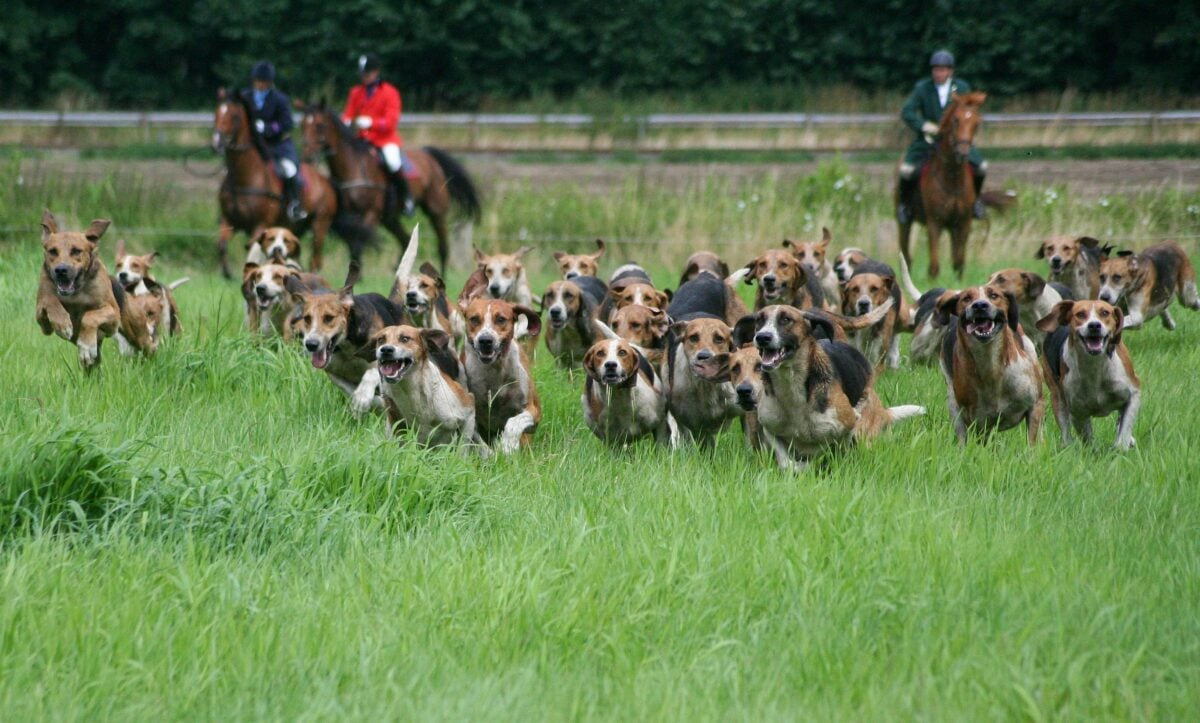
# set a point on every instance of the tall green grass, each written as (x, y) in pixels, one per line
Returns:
(209, 533)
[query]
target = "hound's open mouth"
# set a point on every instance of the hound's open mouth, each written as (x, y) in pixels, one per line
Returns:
(747, 403)
(612, 378)
(489, 356)
(65, 288)
(558, 322)
(983, 330)
(1093, 344)
(707, 368)
(772, 358)
(264, 304)
(772, 293)
(320, 359)
(416, 307)
(394, 370)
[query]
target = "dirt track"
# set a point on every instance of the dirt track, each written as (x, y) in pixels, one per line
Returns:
(1086, 178)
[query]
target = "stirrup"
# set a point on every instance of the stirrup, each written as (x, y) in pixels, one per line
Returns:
(295, 211)
(902, 213)
(410, 208)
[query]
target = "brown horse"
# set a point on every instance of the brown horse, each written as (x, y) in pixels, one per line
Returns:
(362, 182)
(251, 196)
(947, 185)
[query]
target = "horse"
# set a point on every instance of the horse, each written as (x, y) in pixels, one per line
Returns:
(362, 182)
(251, 195)
(947, 186)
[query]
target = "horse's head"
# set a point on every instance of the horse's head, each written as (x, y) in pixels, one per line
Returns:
(230, 123)
(961, 121)
(317, 128)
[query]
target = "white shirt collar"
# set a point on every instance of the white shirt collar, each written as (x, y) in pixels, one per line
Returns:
(944, 91)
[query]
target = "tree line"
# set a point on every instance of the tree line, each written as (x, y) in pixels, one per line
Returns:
(457, 54)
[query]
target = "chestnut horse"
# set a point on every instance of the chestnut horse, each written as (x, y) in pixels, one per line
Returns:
(947, 185)
(362, 182)
(251, 196)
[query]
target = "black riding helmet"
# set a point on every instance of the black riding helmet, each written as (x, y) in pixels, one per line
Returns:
(368, 62)
(941, 57)
(263, 70)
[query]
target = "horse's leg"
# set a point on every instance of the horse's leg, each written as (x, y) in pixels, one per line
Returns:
(223, 235)
(958, 245)
(934, 227)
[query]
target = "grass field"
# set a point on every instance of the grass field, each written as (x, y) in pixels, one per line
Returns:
(209, 534)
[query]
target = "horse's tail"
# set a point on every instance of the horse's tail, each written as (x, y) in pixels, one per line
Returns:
(458, 182)
(999, 200)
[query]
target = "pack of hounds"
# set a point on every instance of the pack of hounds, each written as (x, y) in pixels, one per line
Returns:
(797, 370)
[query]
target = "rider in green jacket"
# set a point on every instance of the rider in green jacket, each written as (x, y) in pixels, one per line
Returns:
(923, 113)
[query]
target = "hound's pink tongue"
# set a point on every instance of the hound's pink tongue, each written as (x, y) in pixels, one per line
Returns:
(320, 359)
(981, 327)
(771, 357)
(390, 369)
(1094, 344)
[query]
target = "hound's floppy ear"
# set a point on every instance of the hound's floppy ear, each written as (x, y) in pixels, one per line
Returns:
(346, 296)
(749, 269)
(428, 269)
(691, 270)
(589, 360)
(96, 229)
(559, 254)
(820, 326)
(947, 306)
(1060, 315)
(678, 328)
(743, 331)
(1088, 241)
(49, 225)
(1119, 320)
(249, 268)
(660, 322)
(599, 249)
(1014, 316)
(1036, 284)
(1041, 252)
(258, 237)
(435, 339)
(532, 319)
(888, 283)
(826, 236)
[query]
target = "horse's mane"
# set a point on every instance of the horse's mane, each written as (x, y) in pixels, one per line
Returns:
(259, 144)
(347, 133)
(974, 98)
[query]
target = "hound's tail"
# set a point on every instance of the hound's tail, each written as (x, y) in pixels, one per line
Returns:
(999, 200)
(904, 411)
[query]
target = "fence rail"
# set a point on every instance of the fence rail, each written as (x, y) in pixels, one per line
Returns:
(134, 119)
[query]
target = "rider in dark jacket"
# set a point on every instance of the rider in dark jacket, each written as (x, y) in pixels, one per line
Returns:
(272, 121)
(923, 112)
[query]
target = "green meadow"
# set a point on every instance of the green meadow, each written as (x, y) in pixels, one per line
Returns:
(209, 534)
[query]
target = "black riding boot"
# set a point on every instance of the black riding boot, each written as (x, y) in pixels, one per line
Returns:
(979, 210)
(403, 194)
(908, 189)
(291, 199)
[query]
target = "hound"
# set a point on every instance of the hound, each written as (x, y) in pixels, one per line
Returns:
(276, 245)
(1146, 282)
(423, 295)
(334, 328)
(816, 393)
(507, 407)
(505, 276)
(1089, 370)
(814, 255)
(782, 279)
(424, 387)
(570, 307)
(991, 368)
(928, 331)
(133, 273)
(76, 299)
(1075, 262)
(269, 292)
(623, 398)
(572, 266)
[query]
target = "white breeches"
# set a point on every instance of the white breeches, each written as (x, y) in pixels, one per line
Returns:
(391, 156)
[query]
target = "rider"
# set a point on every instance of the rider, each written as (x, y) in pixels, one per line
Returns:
(923, 113)
(374, 109)
(272, 122)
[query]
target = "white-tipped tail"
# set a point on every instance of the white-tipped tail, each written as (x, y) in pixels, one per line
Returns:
(738, 275)
(904, 411)
(178, 282)
(906, 280)
(409, 260)
(604, 329)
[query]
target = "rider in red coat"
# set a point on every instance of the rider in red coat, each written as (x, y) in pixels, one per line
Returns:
(374, 109)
